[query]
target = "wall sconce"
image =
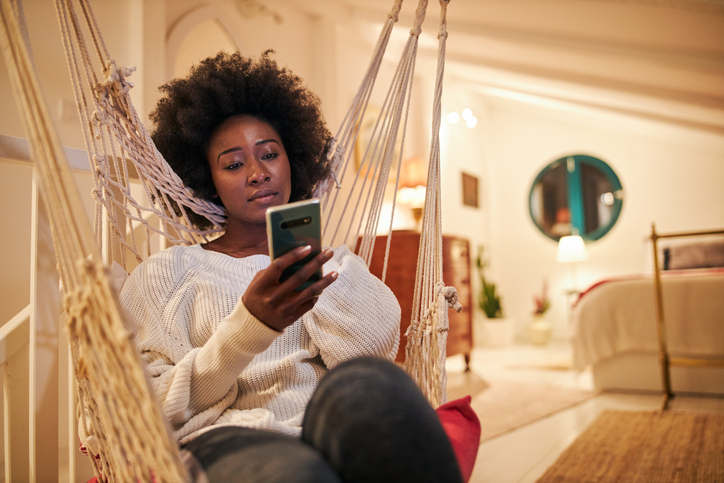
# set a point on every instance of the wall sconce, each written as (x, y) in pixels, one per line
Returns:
(411, 190)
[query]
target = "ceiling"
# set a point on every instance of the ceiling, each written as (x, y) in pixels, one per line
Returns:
(662, 59)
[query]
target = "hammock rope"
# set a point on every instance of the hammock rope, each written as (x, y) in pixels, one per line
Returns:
(379, 155)
(123, 413)
(138, 446)
(427, 333)
(118, 142)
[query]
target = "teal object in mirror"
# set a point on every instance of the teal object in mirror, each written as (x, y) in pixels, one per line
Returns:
(576, 195)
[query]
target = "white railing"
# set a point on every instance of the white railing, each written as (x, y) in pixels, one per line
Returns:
(14, 339)
(39, 428)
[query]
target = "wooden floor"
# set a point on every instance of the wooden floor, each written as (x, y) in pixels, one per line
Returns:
(524, 455)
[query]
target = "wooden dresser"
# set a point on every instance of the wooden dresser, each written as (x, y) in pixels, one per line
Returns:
(401, 268)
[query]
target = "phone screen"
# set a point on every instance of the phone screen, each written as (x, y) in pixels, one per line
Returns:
(294, 225)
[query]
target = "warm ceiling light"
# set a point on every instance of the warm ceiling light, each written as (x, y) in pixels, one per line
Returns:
(453, 118)
(467, 113)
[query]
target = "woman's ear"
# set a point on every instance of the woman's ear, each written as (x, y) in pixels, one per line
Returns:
(213, 193)
(215, 198)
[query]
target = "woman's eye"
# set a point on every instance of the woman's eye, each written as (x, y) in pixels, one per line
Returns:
(270, 156)
(233, 166)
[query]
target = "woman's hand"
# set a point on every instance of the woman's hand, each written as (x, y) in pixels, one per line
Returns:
(277, 304)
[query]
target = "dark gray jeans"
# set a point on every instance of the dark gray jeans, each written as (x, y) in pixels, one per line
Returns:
(366, 422)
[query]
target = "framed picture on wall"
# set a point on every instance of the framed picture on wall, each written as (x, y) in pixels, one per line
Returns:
(365, 138)
(470, 190)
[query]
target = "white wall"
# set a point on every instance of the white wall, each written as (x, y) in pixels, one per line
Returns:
(672, 176)
(51, 67)
(465, 149)
(16, 181)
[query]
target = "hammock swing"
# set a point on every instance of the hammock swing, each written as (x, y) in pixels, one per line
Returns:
(120, 408)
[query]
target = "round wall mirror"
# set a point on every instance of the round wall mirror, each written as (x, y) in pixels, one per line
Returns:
(576, 195)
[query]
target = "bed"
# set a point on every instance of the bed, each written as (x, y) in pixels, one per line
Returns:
(615, 326)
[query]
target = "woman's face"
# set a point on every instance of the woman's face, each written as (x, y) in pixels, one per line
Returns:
(250, 169)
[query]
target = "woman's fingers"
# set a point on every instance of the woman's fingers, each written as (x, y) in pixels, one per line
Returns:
(287, 260)
(307, 270)
(278, 304)
(315, 290)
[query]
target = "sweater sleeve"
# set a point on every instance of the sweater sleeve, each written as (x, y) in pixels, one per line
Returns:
(355, 316)
(194, 385)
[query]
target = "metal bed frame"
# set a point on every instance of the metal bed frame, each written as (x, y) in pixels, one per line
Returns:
(664, 359)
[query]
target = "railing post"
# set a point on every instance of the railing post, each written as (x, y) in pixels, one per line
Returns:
(43, 346)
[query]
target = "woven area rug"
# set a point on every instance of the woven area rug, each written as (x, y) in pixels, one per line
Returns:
(668, 446)
(503, 405)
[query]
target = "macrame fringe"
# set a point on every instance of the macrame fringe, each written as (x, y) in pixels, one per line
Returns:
(425, 352)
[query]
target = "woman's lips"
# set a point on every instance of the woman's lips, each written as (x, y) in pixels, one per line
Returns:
(263, 197)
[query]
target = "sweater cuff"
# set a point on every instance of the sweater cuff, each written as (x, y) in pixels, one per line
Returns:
(243, 332)
(238, 338)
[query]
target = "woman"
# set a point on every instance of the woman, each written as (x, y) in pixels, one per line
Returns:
(261, 382)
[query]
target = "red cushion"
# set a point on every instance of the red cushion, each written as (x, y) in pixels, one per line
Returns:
(463, 429)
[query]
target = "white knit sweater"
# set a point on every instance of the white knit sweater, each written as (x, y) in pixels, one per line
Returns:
(213, 363)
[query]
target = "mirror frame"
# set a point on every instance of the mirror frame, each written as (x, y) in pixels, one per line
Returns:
(575, 197)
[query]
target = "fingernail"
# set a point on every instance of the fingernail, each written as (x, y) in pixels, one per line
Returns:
(334, 275)
(306, 248)
(328, 252)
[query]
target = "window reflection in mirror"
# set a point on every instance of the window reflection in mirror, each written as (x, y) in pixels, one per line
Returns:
(576, 195)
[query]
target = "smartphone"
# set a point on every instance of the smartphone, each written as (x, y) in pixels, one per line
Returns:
(295, 225)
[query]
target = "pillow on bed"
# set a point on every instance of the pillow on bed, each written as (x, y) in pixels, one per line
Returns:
(698, 255)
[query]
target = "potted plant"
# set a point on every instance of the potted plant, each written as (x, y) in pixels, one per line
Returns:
(489, 300)
(539, 330)
(498, 329)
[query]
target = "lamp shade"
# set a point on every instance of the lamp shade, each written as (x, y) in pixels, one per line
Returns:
(413, 173)
(571, 249)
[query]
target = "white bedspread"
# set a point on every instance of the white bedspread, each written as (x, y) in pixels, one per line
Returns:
(618, 316)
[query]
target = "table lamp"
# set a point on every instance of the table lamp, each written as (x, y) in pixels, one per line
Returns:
(572, 249)
(411, 189)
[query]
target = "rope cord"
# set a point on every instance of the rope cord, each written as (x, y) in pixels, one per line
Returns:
(428, 329)
(427, 333)
(348, 133)
(383, 148)
(116, 136)
(111, 381)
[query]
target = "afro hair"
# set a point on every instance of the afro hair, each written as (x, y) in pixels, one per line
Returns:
(229, 85)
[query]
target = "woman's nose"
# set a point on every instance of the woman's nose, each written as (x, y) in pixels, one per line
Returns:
(257, 173)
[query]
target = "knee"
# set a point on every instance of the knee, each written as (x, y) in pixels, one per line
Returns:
(373, 363)
(368, 374)
(364, 382)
